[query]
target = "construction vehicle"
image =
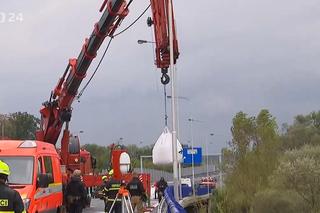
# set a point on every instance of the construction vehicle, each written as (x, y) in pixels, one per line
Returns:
(50, 167)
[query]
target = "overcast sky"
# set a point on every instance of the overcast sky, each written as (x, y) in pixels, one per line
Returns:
(234, 55)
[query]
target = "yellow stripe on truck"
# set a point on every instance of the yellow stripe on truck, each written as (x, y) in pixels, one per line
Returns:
(51, 189)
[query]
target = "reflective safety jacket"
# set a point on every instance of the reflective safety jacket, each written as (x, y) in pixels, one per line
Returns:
(10, 200)
(110, 190)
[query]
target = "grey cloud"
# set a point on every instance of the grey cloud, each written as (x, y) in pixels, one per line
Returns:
(235, 55)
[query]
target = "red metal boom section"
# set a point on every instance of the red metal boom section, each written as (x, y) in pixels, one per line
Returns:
(58, 109)
(160, 20)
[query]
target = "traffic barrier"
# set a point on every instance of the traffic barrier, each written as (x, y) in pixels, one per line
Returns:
(173, 205)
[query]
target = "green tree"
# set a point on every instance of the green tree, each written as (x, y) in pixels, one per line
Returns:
(135, 152)
(20, 125)
(255, 146)
(299, 171)
(242, 133)
(305, 130)
(101, 153)
(266, 172)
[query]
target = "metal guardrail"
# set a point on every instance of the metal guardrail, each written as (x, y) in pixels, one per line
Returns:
(162, 207)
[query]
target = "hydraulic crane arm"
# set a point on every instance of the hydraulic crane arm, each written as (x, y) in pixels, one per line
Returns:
(160, 21)
(57, 110)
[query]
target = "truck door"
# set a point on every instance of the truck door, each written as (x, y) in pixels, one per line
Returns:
(49, 200)
(40, 192)
(45, 197)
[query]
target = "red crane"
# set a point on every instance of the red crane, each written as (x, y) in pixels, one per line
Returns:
(58, 109)
(160, 21)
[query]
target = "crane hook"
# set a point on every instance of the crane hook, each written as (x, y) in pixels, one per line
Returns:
(165, 79)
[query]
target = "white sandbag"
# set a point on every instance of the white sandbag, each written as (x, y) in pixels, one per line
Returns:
(162, 150)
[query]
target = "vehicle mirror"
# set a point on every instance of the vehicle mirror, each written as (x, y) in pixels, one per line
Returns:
(42, 180)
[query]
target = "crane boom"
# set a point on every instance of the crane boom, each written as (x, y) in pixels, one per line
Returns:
(57, 111)
(160, 21)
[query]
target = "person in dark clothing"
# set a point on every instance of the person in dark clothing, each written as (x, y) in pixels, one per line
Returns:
(137, 192)
(76, 193)
(110, 192)
(10, 200)
(155, 190)
(161, 185)
(101, 191)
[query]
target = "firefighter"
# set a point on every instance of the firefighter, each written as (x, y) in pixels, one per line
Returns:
(10, 200)
(101, 191)
(161, 185)
(76, 193)
(110, 192)
(137, 192)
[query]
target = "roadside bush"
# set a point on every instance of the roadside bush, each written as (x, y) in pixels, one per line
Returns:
(220, 202)
(272, 201)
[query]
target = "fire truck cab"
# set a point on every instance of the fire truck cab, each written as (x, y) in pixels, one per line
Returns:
(35, 173)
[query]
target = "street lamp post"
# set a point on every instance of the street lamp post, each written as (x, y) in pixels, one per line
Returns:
(179, 97)
(173, 104)
(220, 172)
(141, 161)
(80, 132)
(120, 141)
(192, 155)
(145, 42)
(207, 153)
(178, 132)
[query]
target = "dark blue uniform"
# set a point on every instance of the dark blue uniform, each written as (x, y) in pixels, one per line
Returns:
(10, 200)
(76, 195)
(110, 192)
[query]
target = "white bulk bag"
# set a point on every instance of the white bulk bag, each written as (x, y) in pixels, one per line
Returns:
(162, 150)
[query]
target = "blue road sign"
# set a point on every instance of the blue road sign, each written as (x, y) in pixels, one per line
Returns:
(197, 155)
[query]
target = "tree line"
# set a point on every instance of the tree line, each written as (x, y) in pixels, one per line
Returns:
(18, 125)
(268, 169)
(102, 155)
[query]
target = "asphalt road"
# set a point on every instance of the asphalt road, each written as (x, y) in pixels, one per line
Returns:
(97, 205)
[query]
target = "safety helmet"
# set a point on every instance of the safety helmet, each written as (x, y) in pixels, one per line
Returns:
(111, 172)
(104, 177)
(4, 168)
